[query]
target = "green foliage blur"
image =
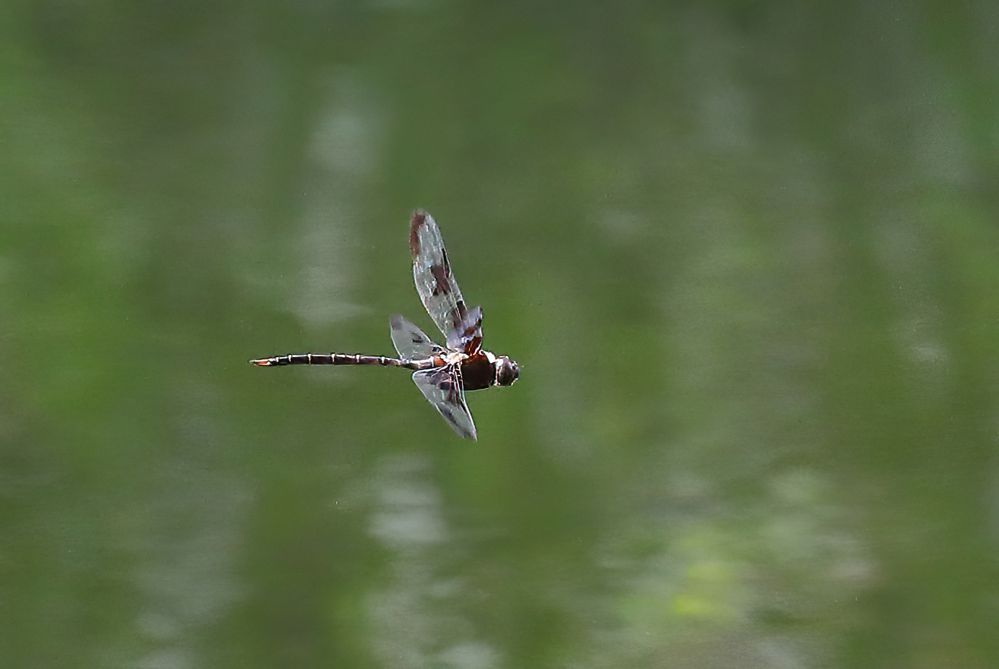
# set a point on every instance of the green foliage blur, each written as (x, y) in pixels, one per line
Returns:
(747, 255)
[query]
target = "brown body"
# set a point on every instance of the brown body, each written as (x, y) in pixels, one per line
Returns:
(477, 370)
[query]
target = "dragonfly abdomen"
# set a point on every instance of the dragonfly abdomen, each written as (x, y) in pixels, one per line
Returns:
(345, 359)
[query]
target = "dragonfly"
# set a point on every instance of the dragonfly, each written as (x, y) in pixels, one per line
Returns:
(442, 373)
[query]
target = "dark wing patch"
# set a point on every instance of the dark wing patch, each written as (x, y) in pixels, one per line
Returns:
(442, 278)
(432, 275)
(418, 220)
(410, 341)
(443, 388)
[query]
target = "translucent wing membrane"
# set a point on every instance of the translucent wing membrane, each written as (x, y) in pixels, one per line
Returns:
(410, 341)
(432, 275)
(443, 388)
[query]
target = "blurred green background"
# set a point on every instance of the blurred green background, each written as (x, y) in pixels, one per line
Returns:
(747, 254)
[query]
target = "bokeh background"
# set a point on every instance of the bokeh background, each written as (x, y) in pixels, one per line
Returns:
(747, 254)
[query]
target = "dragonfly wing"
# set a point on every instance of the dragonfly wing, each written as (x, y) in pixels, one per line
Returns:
(410, 341)
(467, 337)
(432, 275)
(443, 388)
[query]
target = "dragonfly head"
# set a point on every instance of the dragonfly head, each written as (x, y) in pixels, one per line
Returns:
(506, 370)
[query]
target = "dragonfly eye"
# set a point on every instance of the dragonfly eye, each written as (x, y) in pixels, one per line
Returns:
(507, 371)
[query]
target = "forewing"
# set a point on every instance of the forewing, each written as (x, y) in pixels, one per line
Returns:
(467, 337)
(432, 274)
(443, 388)
(410, 341)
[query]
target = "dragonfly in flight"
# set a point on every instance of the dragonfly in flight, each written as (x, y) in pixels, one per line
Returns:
(442, 373)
